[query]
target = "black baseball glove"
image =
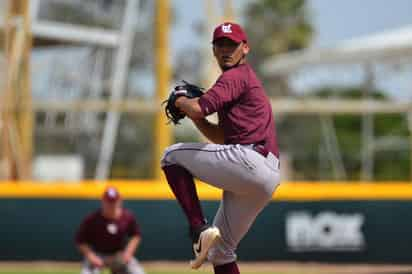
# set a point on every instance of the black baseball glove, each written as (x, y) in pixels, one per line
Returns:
(189, 90)
(116, 264)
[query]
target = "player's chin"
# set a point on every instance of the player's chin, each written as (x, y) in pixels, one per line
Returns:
(227, 65)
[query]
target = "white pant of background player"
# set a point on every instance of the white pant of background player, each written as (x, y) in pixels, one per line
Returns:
(247, 178)
(133, 267)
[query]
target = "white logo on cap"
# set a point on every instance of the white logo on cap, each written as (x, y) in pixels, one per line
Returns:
(112, 192)
(227, 28)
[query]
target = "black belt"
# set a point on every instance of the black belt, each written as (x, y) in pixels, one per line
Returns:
(261, 149)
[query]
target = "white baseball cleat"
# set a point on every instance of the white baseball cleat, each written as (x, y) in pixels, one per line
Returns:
(207, 239)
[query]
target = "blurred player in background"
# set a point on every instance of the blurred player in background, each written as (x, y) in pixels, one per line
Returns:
(243, 158)
(109, 237)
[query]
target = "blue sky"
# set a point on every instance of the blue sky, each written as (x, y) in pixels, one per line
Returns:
(337, 20)
(348, 19)
(334, 21)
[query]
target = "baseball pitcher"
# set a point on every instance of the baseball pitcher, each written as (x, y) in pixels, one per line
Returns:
(242, 158)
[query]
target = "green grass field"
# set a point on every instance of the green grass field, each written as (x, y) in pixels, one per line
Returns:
(11, 271)
(163, 268)
(183, 268)
(77, 272)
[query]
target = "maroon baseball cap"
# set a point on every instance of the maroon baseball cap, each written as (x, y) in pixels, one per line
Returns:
(229, 30)
(111, 194)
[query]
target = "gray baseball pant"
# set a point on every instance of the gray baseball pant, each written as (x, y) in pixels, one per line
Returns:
(247, 179)
(133, 267)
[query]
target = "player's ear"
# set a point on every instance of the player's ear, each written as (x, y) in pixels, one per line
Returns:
(245, 48)
(214, 50)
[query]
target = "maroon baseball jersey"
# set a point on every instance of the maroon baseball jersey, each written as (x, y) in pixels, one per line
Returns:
(107, 236)
(243, 108)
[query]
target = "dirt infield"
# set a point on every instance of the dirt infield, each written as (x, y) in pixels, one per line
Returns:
(246, 267)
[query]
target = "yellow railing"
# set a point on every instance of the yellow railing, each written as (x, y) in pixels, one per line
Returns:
(159, 190)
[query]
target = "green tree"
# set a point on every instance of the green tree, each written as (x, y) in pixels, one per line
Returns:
(275, 27)
(391, 160)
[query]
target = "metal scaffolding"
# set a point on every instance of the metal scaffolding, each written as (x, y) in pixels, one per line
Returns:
(120, 69)
(391, 47)
(23, 21)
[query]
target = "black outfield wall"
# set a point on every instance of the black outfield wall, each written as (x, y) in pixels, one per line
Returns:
(341, 231)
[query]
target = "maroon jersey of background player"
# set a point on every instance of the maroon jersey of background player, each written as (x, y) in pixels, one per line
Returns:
(105, 235)
(109, 237)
